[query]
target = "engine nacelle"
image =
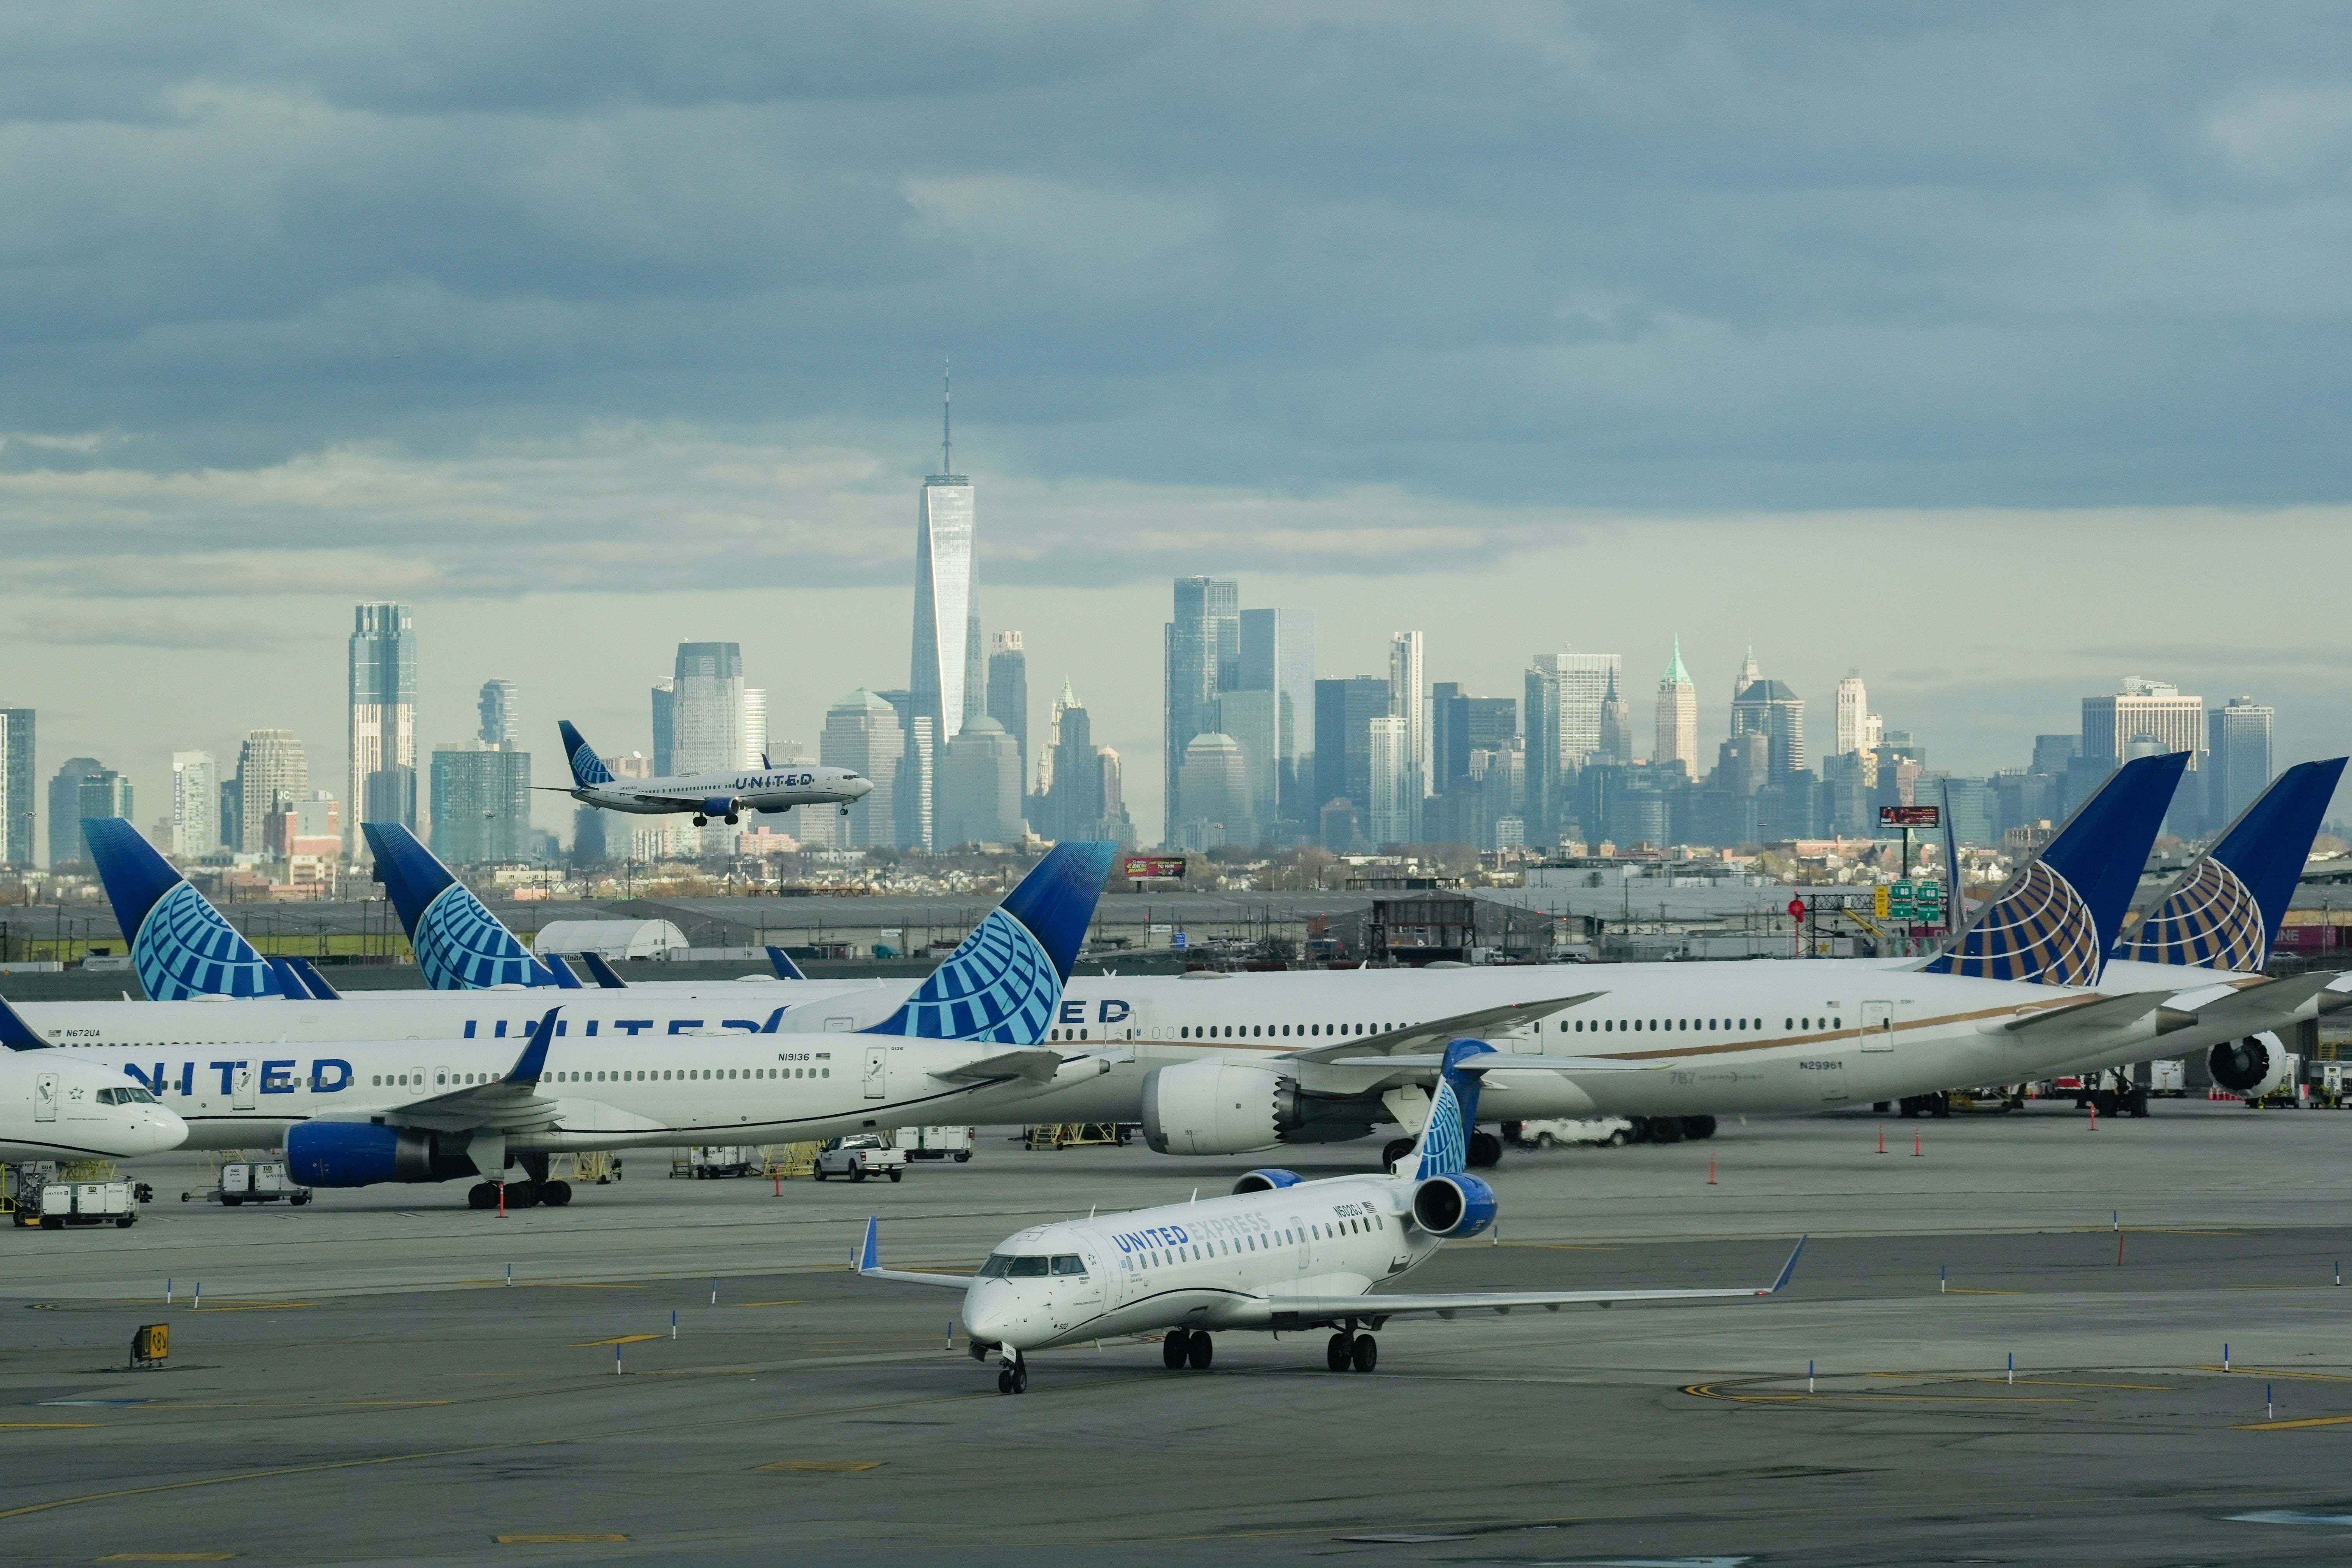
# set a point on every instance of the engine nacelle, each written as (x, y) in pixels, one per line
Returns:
(720, 806)
(2252, 1067)
(1266, 1181)
(1453, 1206)
(1210, 1107)
(361, 1154)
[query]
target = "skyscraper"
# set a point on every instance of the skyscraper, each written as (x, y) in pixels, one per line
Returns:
(944, 627)
(1111, 790)
(1216, 794)
(382, 785)
(755, 727)
(863, 734)
(65, 809)
(1008, 693)
(1853, 714)
(1677, 717)
(2238, 735)
(481, 802)
(501, 715)
(271, 770)
(1407, 700)
(16, 783)
(196, 804)
(707, 708)
(2156, 709)
(1344, 711)
(1072, 805)
(664, 719)
(1770, 709)
(1277, 655)
(1562, 714)
(1254, 720)
(978, 800)
(1388, 766)
(1202, 657)
(1616, 747)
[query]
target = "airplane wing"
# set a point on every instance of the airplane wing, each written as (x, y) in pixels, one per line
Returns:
(2276, 1003)
(1509, 1064)
(866, 1258)
(1439, 1033)
(1379, 1305)
(1038, 1064)
(2102, 1012)
(511, 1102)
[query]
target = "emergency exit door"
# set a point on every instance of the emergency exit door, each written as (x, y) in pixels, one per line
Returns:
(245, 1087)
(877, 1063)
(45, 1097)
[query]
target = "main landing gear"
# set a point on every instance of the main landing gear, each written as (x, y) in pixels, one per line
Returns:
(1187, 1347)
(1486, 1151)
(1351, 1352)
(519, 1193)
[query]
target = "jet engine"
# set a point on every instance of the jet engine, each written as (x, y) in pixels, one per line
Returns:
(1453, 1206)
(725, 806)
(2252, 1067)
(1266, 1181)
(1209, 1107)
(361, 1154)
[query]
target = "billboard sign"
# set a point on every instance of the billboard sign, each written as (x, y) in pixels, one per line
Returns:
(1910, 817)
(1146, 868)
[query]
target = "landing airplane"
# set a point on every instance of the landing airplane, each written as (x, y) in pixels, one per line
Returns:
(707, 795)
(1281, 1254)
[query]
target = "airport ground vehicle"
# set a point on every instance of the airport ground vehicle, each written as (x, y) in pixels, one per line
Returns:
(858, 1155)
(708, 1162)
(63, 1202)
(255, 1181)
(938, 1143)
(1615, 1131)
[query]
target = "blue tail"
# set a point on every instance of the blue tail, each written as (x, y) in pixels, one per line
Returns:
(1443, 1146)
(178, 943)
(2056, 920)
(16, 1033)
(603, 974)
(587, 768)
(781, 962)
(459, 945)
(314, 981)
(2227, 912)
(1004, 983)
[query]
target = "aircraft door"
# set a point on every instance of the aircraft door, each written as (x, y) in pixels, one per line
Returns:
(1306, 1248)
(1086, 1294)
(45, 1097)
(1878, 1026)
(416, 1082)
(242, 1099)
(440, 1080)
(877, 1063)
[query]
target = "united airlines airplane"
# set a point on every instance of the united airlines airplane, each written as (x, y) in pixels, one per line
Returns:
(1281, 1254)
(707, 795)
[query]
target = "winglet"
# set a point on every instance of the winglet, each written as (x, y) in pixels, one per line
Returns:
(1789, 1268)
(866, 1258)
(16, 1033)
(603, 973)
(782, 963)
(532, 1063)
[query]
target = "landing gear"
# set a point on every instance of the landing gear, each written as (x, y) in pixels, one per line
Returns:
(1172, 1349)
(1698, 1127)
(1394, 1150)
(732, 818)
(1338, 1351)
(1347, 1352)
(1486, 1151)
(1366, 1354)
(700, 821)
(1201, 1352)
(556, 1193)
(845, 811)
(1013, 1376)
(1666, 1129)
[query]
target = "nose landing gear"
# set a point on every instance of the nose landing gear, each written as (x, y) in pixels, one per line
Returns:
(1013, 1376)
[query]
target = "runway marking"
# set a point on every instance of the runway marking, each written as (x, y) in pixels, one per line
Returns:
(570, 1540)
(256, 1306)
(619, 1339)
(44, 1426)
(2291, 1425)
(1965, 1291)
(165, 1557)
(2062, 1383)
(824, 1465)
(767, 1303)
(1712, 1391)
(2277, 1372)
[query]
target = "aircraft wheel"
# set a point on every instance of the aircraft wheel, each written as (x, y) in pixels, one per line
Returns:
(1394, 1150)
(1486, 1151)
(556, 1193)
(1666, 1129)
(1200, 1351)
(1020, 1377)
(700, 821)
(1698, 1127)
(732, 818)
(1005, 1379)
(524, 1195)
(1366, 1353)
(1172, 1349)
(1338, 1353)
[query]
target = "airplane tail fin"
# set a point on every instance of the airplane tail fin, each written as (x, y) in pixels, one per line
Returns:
(1443, 1146)
(781, 962)
(2226, 912)
(459, 945)
(607, 978)
(1004, 985)
(587, 769)
(316, 982)
(2057, 919)
(181, 946)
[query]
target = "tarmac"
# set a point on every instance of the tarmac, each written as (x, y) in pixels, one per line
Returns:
(361, 1384)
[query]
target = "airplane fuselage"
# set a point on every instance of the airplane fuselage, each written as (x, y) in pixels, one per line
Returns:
(762, 790)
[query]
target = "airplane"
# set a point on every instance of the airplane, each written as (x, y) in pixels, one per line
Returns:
(53, 1107)
(357, 1103)
(1280, 1255)
(725, 795)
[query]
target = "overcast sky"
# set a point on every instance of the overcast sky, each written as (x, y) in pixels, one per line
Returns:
(1998, 351)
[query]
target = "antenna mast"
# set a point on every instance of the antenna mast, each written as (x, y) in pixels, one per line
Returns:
(947, 443)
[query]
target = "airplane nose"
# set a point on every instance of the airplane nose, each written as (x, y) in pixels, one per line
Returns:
(985, 1312)
(164, 1130)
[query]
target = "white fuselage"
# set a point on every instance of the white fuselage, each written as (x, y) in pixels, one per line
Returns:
(767, 790)
(55, 1107)
(1220, 1263)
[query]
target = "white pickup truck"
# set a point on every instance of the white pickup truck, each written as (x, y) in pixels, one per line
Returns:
(858, 1155)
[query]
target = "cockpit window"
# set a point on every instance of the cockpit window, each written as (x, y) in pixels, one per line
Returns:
(125, 1097)
(1069, 1263)
(999, 1264)
(1028, 1268)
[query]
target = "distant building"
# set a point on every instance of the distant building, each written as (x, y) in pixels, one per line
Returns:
(707, 708)
(1200, 657)
(1111, 790)
(1461, 725)
(862, 733)
(1409, 700)
(382, 724)
(1389, 819)
(1008, 693)
(481, 804)
(1215, 793)
(1337, 827)
(1616, 727)
(1074, 803)
(2145, 717)
(1344, 711)
(665, 722)
(755, 728)
(1853, 714)
(945, 642)
(2052, 753)
(1277, 655)
(1254, 719)
(1677, 717)
(1561, 714)
(500, 707)
(196, 804)
(1770, 709)
(2238, 736)
(271, 770)
(17, 780)
(978, 800)
(66, 846)
(104, 793)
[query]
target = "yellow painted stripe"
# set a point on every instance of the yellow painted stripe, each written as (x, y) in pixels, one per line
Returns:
(44, 1426)
(2289, 1426)
(2277, 1372)
(619, 1339)
(167, 1557)
(826, 1466)
(768, 1303)
(574, 1539)
(1965, 1291)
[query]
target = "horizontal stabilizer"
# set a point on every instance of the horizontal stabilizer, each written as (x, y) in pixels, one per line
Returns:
(1439, 1033)
(315, 981)
(781, 962)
